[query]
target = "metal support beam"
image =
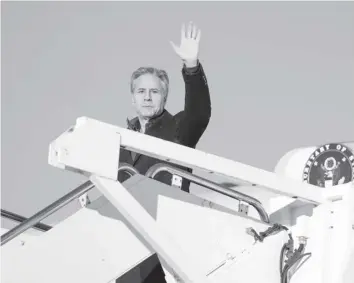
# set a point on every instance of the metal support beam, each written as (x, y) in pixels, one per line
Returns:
(65, 152)
(142, 222)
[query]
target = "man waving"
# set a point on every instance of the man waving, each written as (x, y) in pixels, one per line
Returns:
(149, 89)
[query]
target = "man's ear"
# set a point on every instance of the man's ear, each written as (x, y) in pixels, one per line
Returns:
(164, 102)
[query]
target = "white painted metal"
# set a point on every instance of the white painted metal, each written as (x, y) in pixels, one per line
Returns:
(161, 242)
(291, 166)
(256, 263)
(87, 148)
(92, 132)
(196, 239)
(329, 226)
(243, 207)
(84, 200)
(176, 181)
(96, 244)
(293, 162)
(86, 247)
(330, 233)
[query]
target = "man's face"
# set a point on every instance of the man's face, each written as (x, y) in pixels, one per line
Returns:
(148, 96)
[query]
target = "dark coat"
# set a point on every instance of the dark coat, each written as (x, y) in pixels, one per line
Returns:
(184, 128)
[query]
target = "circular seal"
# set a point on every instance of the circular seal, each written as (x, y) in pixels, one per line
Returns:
(329, 165)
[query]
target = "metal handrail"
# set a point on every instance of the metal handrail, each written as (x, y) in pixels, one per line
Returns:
(160, 167)
(128, 168)
(49, 210)
(19, 218)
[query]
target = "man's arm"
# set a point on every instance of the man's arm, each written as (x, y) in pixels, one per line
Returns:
(193, 121)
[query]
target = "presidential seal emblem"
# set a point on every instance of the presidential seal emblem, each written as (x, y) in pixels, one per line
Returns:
(329, 165)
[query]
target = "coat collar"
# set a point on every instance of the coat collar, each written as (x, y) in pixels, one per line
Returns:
(134, 123)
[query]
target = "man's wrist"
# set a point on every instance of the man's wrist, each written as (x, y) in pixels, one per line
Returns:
(191, 68)
(191, 63)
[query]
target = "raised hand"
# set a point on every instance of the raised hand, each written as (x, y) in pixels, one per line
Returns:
(189, 48)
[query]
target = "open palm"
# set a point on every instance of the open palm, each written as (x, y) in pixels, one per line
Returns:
(189, 47)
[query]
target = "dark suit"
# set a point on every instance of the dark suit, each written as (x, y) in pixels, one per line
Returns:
(185, 128)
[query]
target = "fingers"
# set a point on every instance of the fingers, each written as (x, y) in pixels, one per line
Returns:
(190, 32)
(183, 31)
(198, 36)
(194, 32)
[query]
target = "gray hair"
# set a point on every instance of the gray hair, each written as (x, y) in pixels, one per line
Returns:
(161, 74)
